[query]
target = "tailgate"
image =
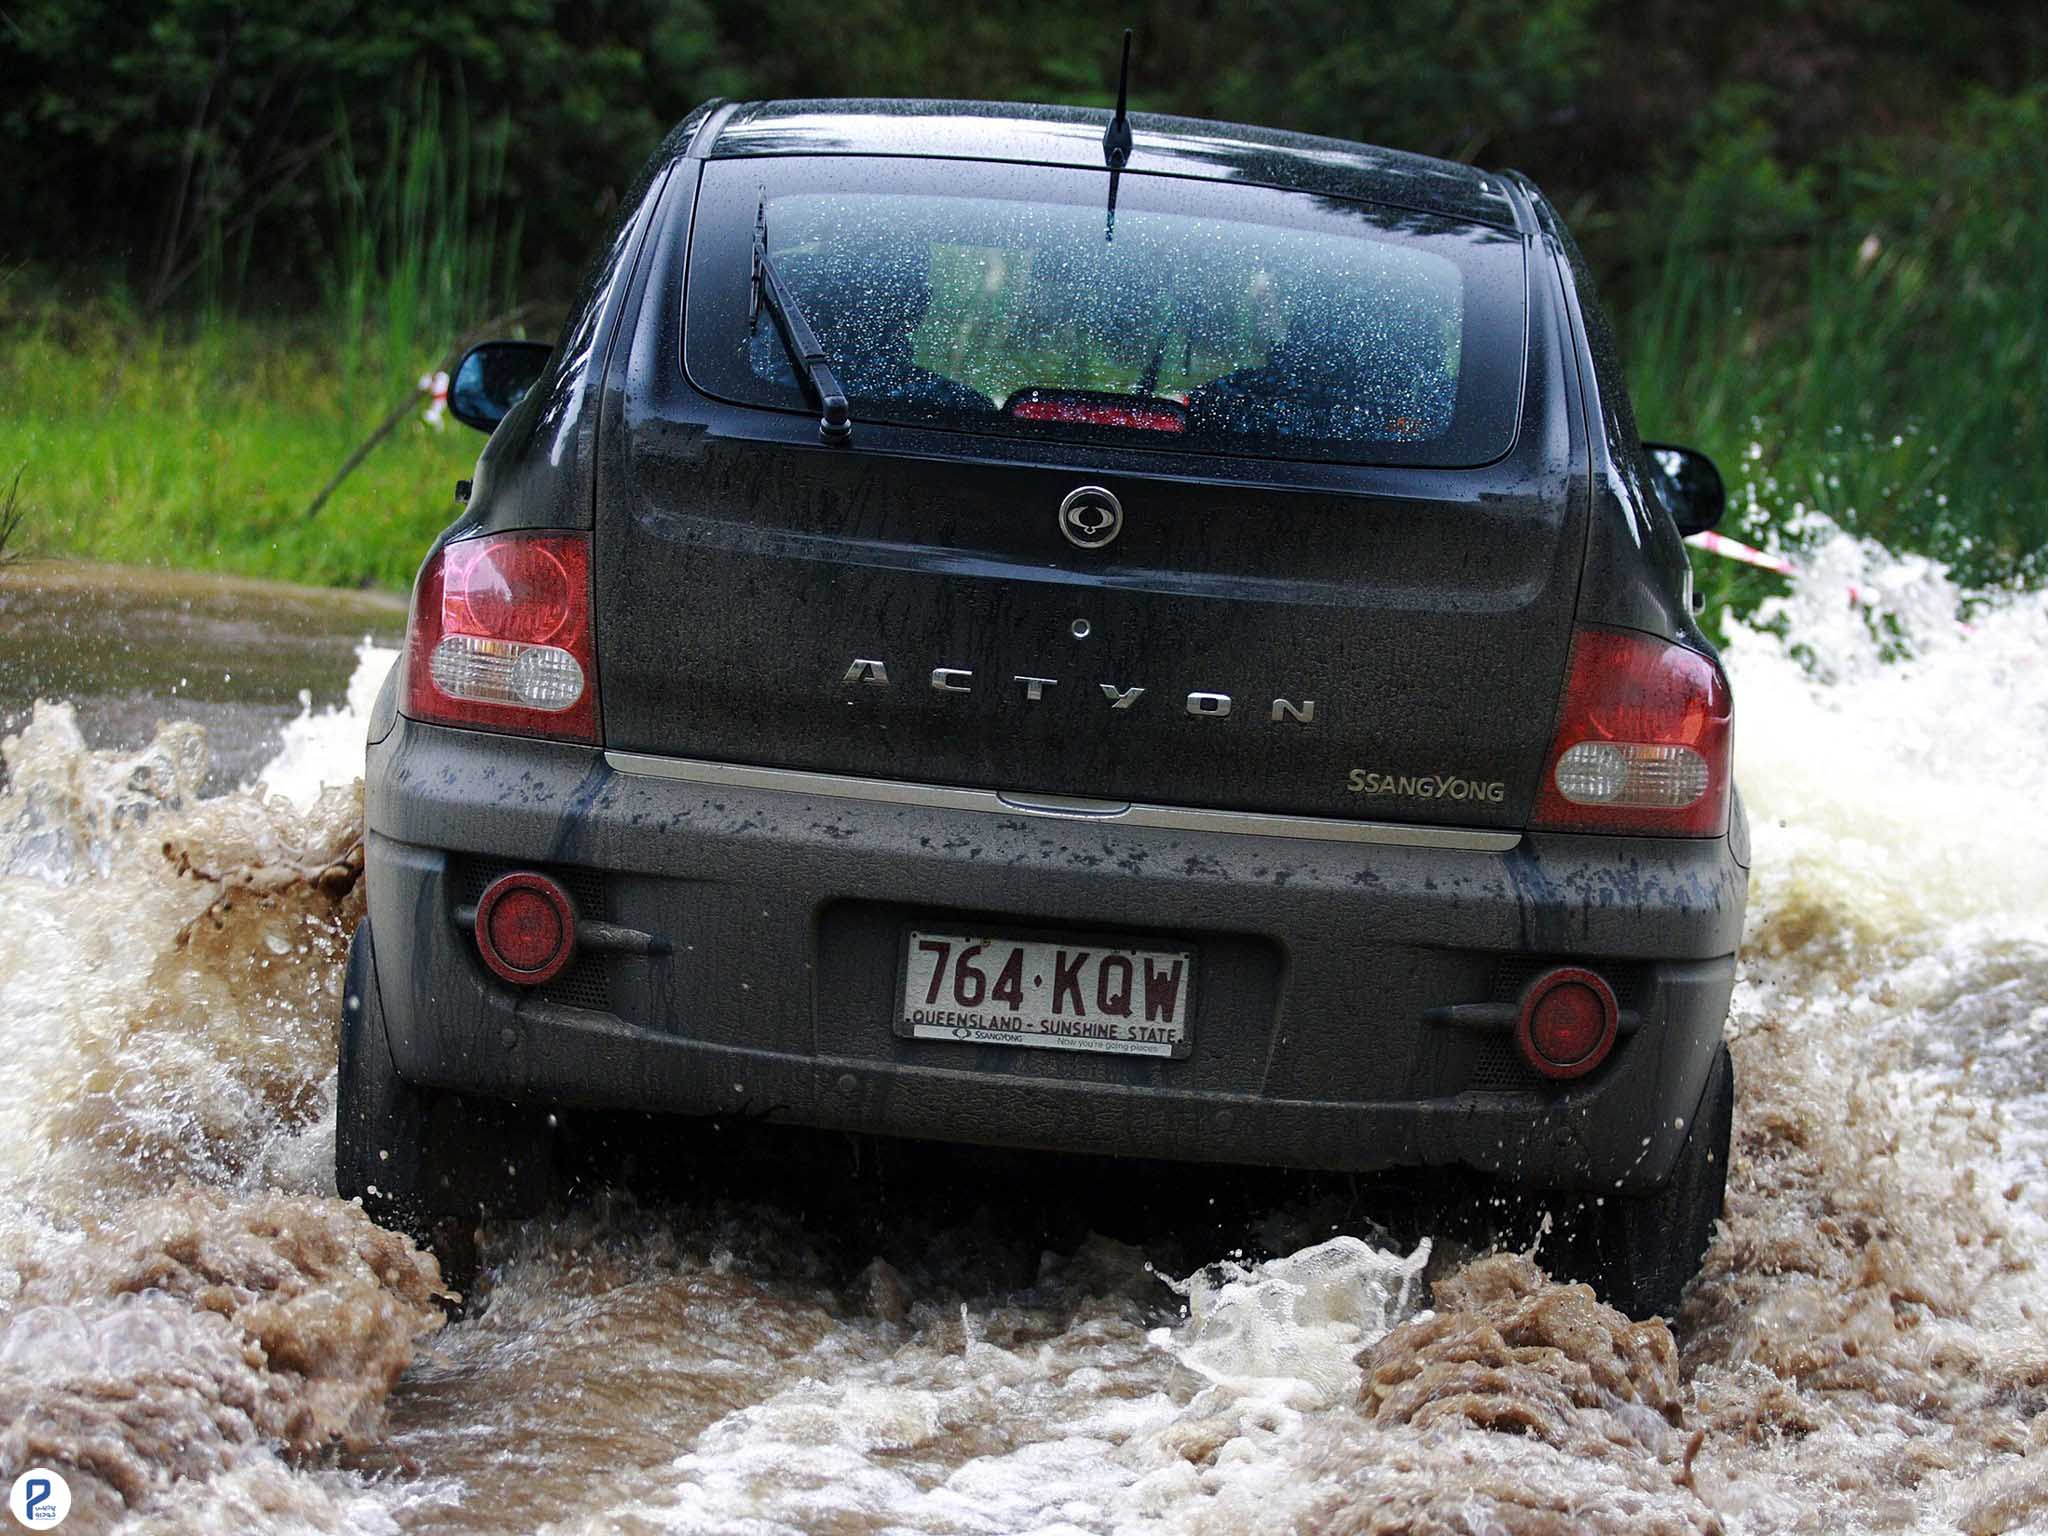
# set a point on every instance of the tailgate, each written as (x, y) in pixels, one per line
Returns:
(1392, 656)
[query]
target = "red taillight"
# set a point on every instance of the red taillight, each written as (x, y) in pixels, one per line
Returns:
(1643, 744)
(525, 928)
(1081, 409)
(500, 637)
(1567, 1023)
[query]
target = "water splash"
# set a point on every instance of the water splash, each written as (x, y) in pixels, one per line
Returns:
(1292, 1327)
(1866, 1351)
(323, 748)
(66, 809)
(182, 1301)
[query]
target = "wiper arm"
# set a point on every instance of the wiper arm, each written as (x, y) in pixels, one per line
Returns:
(835, 421)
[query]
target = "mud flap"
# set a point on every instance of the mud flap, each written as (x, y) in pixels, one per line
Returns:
(424, 1162)
(1649, 1246)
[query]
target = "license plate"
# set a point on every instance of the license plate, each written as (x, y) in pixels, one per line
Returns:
(1049, 994)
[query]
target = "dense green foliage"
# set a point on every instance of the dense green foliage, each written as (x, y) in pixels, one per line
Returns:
(198, 135)
(1882, 355)
(234, 232)
(198, 141)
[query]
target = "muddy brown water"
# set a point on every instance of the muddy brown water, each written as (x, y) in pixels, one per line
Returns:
(200, 1337)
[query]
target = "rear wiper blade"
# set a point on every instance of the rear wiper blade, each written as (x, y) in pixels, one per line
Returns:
(835, 421)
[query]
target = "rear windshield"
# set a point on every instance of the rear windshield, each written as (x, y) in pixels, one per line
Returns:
(1195, 316)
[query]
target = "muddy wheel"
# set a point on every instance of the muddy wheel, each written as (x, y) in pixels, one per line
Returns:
(1649, 1246)
(425, 1163)
(380, 1119)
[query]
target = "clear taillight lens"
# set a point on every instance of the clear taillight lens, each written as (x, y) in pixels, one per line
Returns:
(506, 672)
(1643, 743)
(1614, 773)
(500, 637)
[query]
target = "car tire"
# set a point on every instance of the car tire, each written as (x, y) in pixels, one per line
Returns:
(423, 1162)
(1648, 1247)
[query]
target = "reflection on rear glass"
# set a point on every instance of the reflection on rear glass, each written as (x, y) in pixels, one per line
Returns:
(1008, 314)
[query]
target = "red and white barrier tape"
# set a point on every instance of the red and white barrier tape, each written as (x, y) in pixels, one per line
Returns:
(435, 384)
(1749, 554)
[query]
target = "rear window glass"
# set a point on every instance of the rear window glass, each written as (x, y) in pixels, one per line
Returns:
(1200, 317)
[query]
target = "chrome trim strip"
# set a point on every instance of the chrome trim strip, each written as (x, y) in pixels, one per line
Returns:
(1177, 818)
(1076, 806)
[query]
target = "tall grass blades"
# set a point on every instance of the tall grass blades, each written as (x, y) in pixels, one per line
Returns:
(420, 255)
(196, 438)
(11, 514)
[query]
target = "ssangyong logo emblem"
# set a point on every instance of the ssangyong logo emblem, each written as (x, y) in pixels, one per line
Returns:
(1091, 517)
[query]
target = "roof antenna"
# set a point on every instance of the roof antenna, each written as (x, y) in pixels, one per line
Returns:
(1116, 138)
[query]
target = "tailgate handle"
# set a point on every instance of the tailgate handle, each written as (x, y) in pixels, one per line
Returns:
(1063, 805)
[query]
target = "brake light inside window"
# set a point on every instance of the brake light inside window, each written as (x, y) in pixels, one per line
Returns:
(500, 637)
(1644, 741)
(1083, 408)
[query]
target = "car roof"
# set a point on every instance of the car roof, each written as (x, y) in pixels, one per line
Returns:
(1045, 135)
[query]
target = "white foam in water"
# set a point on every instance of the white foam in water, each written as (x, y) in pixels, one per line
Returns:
(1904, 752)
(1263, 1347)
(1290, 1329)
(326, 748)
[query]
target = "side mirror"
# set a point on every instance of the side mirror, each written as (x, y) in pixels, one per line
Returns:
(492, 378)
(1690, 485)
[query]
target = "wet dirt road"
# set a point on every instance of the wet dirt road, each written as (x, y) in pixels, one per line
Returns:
(203, 1339)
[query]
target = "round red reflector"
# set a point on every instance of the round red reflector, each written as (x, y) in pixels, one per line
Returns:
(1567, 1023)
(525, 928)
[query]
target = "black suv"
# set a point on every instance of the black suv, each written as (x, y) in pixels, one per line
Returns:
(1004, 625)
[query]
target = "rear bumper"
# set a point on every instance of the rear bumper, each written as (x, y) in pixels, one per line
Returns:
(1319, 966)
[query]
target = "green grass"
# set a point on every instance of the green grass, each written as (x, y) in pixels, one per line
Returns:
(201, 439)
(200, 445)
